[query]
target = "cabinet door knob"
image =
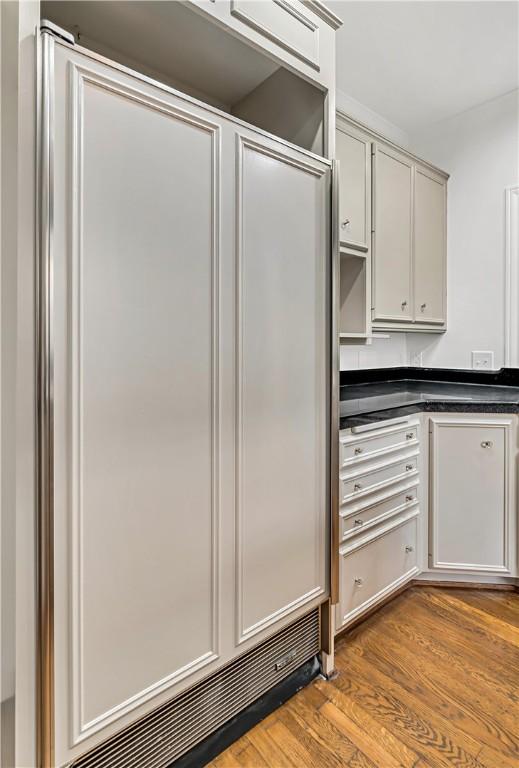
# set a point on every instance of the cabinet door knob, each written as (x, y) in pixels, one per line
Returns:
(345, 224)
(486, 444)
(358, 522)
(422, 306)
(357, 451)
(357, 487)
(404, 304)
(358, 582)
(409, 548)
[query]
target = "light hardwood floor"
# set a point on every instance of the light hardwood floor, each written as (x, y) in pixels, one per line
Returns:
(432, 679)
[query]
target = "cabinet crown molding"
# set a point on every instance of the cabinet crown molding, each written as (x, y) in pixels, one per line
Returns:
(321, 10)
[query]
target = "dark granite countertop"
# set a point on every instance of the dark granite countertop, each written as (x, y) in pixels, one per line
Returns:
(377, 394)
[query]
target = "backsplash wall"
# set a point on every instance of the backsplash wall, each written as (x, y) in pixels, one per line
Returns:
(381, 353)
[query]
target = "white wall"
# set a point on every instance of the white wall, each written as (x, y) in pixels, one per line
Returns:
(480, 149)
(381, 353)
(371, 119)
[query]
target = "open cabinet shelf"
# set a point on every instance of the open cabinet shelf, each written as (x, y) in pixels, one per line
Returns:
(354, 315)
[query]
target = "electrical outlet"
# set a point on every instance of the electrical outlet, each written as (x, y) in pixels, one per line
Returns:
(483, 361)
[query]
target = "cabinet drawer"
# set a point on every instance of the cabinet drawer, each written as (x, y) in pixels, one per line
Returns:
(362, 483)
(356, 522)
(355, 449)
(371, 569)
(287, 24)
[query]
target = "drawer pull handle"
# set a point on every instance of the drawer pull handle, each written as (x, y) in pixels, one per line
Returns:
(345, 224)
(409, 548)
(358, 522)
(358, 582)
(358, 451)
(404, 304)
(486, 444)
(409, 498)
(357, 487)
(408, 467)
(409, 436)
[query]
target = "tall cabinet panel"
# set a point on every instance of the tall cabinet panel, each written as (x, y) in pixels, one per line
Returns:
(190, 390)
(136, 335)
(392, 239)
(282, 360)
(429, 246)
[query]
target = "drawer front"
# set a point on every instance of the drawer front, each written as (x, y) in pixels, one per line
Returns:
(361, 484)
(285, 23)
(358, 522)
(372, 570)
(354, 450)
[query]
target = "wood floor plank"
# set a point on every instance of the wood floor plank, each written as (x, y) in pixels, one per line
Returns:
(292, 747)
(225, 760)
(247, 755)
(501, 605)
(360, 760)
(308, 737)
(321, 728)
(361, 738)
(441, 633)
(374, 736)
(494, 759)
(445, 691)
(496, 626)
(429, 681)
(268, 749)
(416, 724)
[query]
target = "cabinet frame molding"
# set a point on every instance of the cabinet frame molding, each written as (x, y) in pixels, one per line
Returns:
(506, 425)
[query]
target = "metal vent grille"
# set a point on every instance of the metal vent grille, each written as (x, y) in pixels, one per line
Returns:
(168, 732)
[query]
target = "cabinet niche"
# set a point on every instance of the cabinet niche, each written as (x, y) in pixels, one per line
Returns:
(353, 312)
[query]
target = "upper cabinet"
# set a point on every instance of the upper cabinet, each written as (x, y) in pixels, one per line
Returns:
(298, 34)
(353, 151)
(409, 242)
(392, 235)
(430, 195)
(393, 212)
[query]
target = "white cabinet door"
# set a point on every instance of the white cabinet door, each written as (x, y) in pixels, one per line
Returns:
(472, 462)
(353, 151)
(392, 240)
(283, 214)
(137, 467)
(429, 246)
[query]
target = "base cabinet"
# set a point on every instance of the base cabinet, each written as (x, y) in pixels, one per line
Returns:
(379, 515)
(375, 566)
(472, 494)
(431, 497)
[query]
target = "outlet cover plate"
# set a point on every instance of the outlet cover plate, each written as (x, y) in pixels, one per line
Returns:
(482, 361)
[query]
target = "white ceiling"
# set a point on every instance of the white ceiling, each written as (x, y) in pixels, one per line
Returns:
(419, 62)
